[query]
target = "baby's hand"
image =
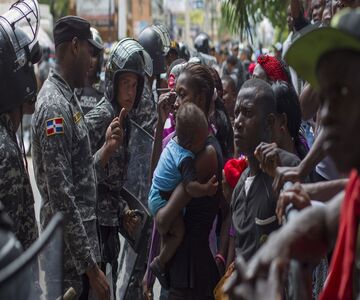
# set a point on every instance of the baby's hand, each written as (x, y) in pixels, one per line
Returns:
(212, 186)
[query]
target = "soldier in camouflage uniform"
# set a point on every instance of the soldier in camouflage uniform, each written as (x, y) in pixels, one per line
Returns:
(17, 96)
(63, 163)
(91, 93)
(124, 83)
(15, 188)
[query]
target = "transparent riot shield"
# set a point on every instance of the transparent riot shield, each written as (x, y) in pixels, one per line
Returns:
(133, 252)
(140, 146)
(25, 277)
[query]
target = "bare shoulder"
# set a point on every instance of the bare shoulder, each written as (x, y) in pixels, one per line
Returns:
(207, 163)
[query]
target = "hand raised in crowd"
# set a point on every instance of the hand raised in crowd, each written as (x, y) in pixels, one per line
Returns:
(98, 283)
(296, 195)
(265, 286)
(283, 174)
(212, 186)
(165, 105)
(115, 132)
(147, 290)
(130, 221)
(263, 276)
(268, 156)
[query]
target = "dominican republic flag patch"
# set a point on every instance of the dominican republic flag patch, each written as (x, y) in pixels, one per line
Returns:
(55, 126)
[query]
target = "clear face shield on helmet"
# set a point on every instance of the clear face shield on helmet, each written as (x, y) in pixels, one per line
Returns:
(21, 25)
(125, 49)
(165, 37)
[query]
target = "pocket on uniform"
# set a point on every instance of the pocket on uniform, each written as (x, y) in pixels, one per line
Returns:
(264, 227)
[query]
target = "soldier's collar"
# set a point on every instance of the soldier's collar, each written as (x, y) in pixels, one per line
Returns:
(64, 87)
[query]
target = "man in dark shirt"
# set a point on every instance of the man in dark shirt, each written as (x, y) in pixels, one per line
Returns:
(253, 201)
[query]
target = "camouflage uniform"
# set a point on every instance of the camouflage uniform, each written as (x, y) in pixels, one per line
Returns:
(113, 176)
(110, 206)
(65, 175)
(15, 188)
(88, 97)
(145, 114)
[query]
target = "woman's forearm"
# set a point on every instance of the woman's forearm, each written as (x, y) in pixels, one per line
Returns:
(157, 148)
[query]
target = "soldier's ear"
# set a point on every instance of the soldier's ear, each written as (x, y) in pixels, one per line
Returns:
(75, 46)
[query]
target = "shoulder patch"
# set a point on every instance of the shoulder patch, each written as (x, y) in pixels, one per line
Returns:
(55, 126)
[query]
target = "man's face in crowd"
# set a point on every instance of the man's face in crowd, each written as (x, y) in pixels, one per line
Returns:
(249, 127)
(317, 8)
(235, 51)
(327, 15)
(229, 97)
(340, 112)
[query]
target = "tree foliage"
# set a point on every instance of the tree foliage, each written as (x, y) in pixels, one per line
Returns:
(58, 8)
(238, 15)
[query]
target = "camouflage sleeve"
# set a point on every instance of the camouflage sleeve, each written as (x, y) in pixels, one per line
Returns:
(15, 192)
(57, 162)
(10, 178)
(97, 120)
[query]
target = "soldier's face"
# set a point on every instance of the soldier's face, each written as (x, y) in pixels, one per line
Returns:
(85, 54)
(127, 88)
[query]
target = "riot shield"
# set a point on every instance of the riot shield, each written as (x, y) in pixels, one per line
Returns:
(133, 252)
(140, 146)
(25, 277)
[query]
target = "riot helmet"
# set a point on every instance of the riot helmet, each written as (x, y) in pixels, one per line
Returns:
(127, 56)
(97, 37)
(202, 43)
(156, 41)
(184, 51)
(19, 50)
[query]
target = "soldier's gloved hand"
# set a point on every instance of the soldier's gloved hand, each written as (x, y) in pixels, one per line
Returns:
(98, 283)
(130, 221)
(115, 133)
(165, 105)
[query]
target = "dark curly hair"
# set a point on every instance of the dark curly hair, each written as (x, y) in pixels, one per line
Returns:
(201, 81)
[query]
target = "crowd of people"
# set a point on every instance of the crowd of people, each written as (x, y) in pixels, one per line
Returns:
(253, 181)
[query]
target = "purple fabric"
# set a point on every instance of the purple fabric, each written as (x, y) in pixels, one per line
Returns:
(232, 231)
(169, 126)
(154, 251)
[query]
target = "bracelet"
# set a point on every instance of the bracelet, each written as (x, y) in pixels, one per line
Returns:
(219, 256)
